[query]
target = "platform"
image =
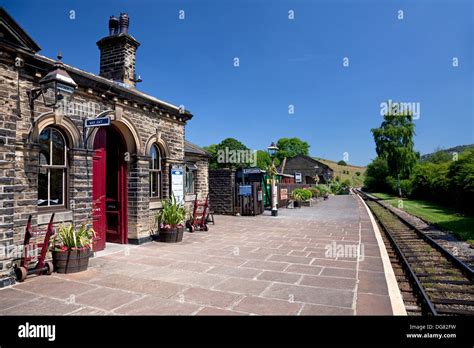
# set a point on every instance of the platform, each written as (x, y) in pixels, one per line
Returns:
(303, 262)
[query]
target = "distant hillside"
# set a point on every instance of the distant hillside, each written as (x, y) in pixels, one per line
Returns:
(446, 152)
(346, 172)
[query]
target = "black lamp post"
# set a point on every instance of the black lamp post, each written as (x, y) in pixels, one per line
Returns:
(272, 150)
(55, 87)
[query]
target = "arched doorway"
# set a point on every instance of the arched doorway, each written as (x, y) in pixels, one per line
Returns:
(109, 187)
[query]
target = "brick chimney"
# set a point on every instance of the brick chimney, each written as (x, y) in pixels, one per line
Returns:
(118, 52)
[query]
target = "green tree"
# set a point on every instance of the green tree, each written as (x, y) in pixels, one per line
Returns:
(342, 163)
(461, 177)
(376, 174)
(394, 142)
(264, 161)
(439, 156)
(212, 149)
(231, 153)
(291, 147)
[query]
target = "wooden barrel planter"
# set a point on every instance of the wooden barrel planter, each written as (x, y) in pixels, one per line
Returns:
(171, 235)
(71, 261)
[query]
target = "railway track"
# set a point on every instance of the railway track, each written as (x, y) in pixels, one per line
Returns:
(432, 280)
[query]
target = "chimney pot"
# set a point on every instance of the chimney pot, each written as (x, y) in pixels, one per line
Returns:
(124, 22)
(117, 52)
(113, 25)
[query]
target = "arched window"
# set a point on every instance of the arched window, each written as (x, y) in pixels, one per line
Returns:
(155, 171)
(52, 168)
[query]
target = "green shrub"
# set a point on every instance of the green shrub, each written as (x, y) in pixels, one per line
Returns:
(375, 176)
(342, 163)
(323, 190)
(302, 194)
(338, 188)
(430, 181)
(315, 191)
(460, 176)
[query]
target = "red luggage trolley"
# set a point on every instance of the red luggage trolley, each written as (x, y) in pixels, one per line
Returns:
(42, 266)
(199, 218)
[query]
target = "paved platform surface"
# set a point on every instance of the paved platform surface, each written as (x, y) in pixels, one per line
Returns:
(244, 265)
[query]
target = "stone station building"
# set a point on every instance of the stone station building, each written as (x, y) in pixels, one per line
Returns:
(112, 177)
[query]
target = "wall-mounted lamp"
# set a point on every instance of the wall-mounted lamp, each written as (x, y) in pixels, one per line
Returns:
(56, 86)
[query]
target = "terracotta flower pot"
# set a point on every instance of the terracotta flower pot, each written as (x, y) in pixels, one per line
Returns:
(71, 261)
(171, 234)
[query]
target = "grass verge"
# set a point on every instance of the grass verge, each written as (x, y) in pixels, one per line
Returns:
(446, 218)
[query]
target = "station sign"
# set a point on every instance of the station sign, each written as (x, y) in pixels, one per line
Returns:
(252, 171)
(97, 122)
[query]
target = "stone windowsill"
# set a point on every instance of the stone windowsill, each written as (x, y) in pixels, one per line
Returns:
(60, 216)
(155, 205)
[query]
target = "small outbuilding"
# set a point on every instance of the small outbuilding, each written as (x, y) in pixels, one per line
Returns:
(306, 170)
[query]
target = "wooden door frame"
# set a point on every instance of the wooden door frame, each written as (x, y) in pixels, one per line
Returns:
(123, 186)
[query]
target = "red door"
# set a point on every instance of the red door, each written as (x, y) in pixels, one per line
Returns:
(109, 188)
(99, 167)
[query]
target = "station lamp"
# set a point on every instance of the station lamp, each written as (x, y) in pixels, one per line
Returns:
(272, 150)
(57, 86)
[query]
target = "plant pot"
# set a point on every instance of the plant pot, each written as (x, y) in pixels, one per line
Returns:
(71, 261)
(171, 235)
(297, 204)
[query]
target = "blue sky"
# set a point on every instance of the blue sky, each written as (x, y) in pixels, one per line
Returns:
(285, 62)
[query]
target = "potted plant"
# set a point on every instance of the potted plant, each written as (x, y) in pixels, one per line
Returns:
(170, 221)
(301, 195)
(72, 248)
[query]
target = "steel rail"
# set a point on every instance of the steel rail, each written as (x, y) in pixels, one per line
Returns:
(463, 267)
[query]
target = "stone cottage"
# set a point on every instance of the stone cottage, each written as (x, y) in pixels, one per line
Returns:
(90, 148)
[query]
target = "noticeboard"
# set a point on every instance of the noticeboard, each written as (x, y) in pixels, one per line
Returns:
(177, 182)
(298, 178)
(245, 190)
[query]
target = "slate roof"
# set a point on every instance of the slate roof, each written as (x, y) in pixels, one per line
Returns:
(193, 149)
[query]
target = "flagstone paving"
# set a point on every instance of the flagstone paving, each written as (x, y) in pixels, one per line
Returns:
(243, 265)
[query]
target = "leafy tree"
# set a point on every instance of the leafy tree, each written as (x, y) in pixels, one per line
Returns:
(291, 147)
(394, 143)
(342, 163)
(212, 149)
(461, 177)
(439, 156)
(376, 174)
(264, 161)
(229, 153)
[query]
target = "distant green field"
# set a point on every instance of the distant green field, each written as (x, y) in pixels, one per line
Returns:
(447, 219)
(346, 172)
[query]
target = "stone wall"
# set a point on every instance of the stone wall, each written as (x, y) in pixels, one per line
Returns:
(201, 181)
(8, 116)
(222, 191)
(19, 154)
